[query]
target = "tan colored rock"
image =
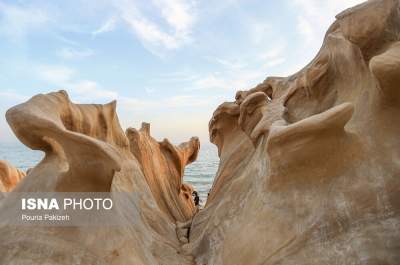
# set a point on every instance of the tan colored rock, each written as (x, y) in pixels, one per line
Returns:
(10, 176)
(317, 181)
(87, 151)
(163, 166)
(309, 167)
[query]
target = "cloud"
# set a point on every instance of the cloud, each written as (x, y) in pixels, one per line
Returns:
(178, 76)
(274, 56)
(72, 53)
(259, 31)
(273, 51)
(233, 64)
(212, 81)
(13, 96)
(131, 104)
(305, 28)
(177, 13)
(107, 26)
(90, 90)
(150, 34)
(66, 40)
(180, 101)
(315, 16)
(17, 22)
(169, 32)
(274, 62)
(244, 71)
(64, 77)
(54, 74)
(230, 81)
(166, 104)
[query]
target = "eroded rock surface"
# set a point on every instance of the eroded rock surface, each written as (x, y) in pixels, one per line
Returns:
(309, 167)
(87, 151)
(10, 176)
(316, 180)
(163, 166)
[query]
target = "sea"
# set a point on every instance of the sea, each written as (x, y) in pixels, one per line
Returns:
(200, 174)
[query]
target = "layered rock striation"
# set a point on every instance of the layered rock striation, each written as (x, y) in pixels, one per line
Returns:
(163, 166)
(87, 151)
(316, 180)
(309, 167)
(9, 176)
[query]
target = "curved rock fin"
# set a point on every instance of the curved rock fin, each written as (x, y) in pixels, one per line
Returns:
(386, 69)
(40, 124)
(183, 154)
(163, 166)
(300, 151)
(97, 161)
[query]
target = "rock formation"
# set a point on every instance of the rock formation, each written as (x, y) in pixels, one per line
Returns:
(87, 151)
(317, 179)
(309, 167)
(9, 176)
(163, 167)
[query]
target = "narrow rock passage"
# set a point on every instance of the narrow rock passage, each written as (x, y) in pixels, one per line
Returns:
(308, 174)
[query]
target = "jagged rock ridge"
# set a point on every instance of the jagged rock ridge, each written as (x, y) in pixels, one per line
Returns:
(316, 180)
(308, 173)
(10, 176)
(87, 151)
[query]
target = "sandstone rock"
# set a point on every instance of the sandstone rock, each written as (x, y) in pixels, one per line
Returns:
(163, 166)
(317, 181)
(9, 176)
(87, 151)
(309, 167)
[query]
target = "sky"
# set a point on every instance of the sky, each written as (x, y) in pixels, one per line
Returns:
(167, 62)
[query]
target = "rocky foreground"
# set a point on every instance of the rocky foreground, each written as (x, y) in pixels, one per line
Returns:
(309, 167)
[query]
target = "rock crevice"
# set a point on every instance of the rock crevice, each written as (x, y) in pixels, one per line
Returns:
(308, 173)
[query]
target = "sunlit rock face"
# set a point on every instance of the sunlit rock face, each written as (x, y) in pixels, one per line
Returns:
(163, 166)
(87, 151)
(310, 170)
(309, 167)
(9, 176)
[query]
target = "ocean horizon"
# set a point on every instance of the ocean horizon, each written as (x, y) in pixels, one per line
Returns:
(200, 174)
